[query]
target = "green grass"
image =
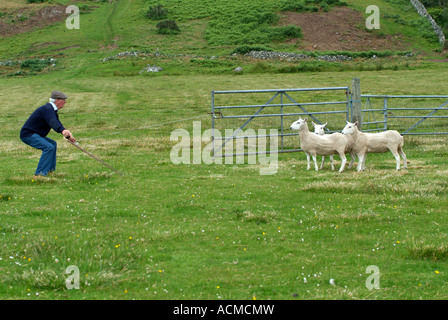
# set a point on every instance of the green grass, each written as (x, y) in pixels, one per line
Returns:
(170, 231)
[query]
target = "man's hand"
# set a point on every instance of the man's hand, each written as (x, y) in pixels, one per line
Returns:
(68, 135)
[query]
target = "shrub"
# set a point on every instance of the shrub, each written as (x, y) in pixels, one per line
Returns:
(310, 5)
(268, 17)
(424, 28)
(36, 65)
(313, 66)
(167, 27)
(84, 8)
(157, 12)
(292, 5)
(36, 1)
(285, 32)
(440, 15)
(207, 63)
(247, 48)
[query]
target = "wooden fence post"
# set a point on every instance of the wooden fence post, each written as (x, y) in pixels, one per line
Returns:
(356, 102)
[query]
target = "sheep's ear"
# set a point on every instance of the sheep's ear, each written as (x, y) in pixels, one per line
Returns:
(325, 124)
(356, 123)
(313, 123)
(305, 119)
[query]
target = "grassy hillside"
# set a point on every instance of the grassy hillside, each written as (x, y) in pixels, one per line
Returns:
(207, 28)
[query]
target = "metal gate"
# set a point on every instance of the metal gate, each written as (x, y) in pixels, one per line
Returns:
(274, 109)
(408, 114)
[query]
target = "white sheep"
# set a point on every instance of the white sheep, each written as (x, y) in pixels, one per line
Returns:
(375, 143)
(320, 130)
(313, 144)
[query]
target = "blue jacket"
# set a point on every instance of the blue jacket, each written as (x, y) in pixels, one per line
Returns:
(41, 121)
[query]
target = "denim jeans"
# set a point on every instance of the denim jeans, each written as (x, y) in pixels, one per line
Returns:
(47, 162)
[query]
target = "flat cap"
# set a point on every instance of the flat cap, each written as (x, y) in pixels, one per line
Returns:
(58, 95)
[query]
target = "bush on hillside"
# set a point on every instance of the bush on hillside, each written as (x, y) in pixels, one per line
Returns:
(36, 65)
(286, 32)
(167, 27)
(157, 12)
(310, 5)
(440, 15)
(435, 3)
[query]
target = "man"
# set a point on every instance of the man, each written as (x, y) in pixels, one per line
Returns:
(35, 130)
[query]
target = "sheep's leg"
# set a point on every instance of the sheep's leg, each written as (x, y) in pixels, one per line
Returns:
(352, 157)
(359, 166)
(397, 158)
(361, 160)
(322, 164)
(364, 162)
(344, 161)
(315, 162)
(403, 155)
(308, 166)
(331, 161)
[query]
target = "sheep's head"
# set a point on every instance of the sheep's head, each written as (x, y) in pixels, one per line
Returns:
(319, 128)
(296, 125)
(350, 128)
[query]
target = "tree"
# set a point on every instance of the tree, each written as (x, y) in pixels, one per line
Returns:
(435, 3)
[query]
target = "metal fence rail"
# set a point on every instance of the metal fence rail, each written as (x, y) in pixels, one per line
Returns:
(408, 114)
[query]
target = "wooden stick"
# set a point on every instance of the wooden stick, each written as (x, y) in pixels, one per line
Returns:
(94, 157)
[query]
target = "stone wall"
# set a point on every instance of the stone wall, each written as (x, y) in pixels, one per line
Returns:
(424, 13)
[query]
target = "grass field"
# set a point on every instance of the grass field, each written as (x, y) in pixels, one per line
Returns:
(168, 231)
(198, 231)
